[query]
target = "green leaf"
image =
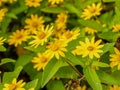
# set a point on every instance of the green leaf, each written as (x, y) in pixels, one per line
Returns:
(73, 59)
(91, 24)
(4, 24)
(9, 76)
(2, 48)
(55, 85)
(32, 84)
(23, 60)
(106, 78)
(66, 72)
(116, 75)
(100, 64)
(38, 49)
(12, 15)
(110, 36)
(73, 9)
(107, 47)
(39, 77)
(7, 60)
(50, 70)
(53, 10)
(92, 78)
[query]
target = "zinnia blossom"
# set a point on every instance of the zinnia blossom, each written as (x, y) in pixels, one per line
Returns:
(56, 48)
(115, 59)
(33, 3)
(91, 10)
(89, 48)
(18, 37)
(14, 85)
(41, 60)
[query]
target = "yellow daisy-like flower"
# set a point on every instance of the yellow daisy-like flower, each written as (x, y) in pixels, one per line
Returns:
(2, 40)
(41, 60)
(53, 2)
(3, 13)
(14, 85)
(91, 10)
(114, 87)
(81, 88)
(70, 35)
(56, 48)
(41, 36)
(90, 30)
(11, 1)
(34, 23)
(2, 1)
(89, 48)
(61, 21)
(18, 37)
(115, 59)
(116, 28)
(33, 3)
(31, 89)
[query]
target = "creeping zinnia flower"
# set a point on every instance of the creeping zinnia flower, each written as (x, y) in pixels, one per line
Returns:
(2, 13)
(61, 21)
(81, 88)
(33, 3)
(115, 59)
(53, 2)
(56, 48)
(18, 37)
(11, 1)
(114, 87)
(34, 23)
(2, 1)
(1, 40)
(41, 60)
(70, 35)
(89, 48)
(41, 36)
(14, 85)
(90, 30)
(116, 28)
(91, 10)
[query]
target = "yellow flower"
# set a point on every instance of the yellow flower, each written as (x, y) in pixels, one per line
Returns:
(18, 37)
(89, 48)
(34, 23)
(81, 88)
(41, 60)
(90, 30)
(14, 85)
(53, 2)
(41, 36)
(2, 13)
(61, 21)
(91, 10)
(31, 89)
(2, 1)
(70, 35)
(114, 87)
(115, 59)
(56, 48)
(1, 40)
(116, 28)
(11, 1)
(33, 3)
